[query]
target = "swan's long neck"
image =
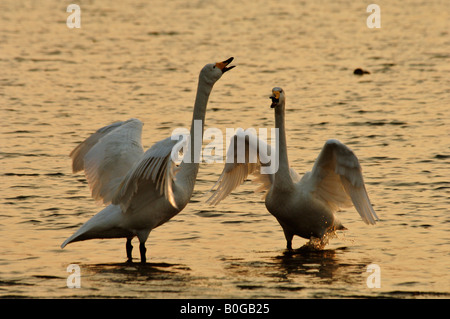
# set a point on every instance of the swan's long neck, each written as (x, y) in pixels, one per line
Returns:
(189, 167)
(283, 178)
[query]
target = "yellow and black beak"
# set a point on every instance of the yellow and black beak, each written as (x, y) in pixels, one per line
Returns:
(223, 66)
(275, 97)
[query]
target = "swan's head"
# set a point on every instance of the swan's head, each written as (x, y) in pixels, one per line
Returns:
(277, 97)
(213, 71)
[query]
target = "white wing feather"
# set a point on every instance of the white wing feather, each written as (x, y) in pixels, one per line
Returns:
(83, 148)
(156, 167)
(237, 168)
(107, 155)
(337, 179)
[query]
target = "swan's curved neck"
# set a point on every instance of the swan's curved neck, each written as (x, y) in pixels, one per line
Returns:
(189, 167)
(283, 178)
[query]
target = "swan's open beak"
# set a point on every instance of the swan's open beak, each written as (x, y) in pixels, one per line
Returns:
(275, 97)
(274, 102)
(223, 65)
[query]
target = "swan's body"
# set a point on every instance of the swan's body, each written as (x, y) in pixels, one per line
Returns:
(142, 190)
(304, 206)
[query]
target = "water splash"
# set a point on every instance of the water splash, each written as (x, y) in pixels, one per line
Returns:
(316, 243)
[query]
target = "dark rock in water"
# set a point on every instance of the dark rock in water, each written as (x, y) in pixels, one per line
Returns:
(360, 71)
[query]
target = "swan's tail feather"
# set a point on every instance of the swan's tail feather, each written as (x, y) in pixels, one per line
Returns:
(87, 231)
(79, 235)
(69, 240)
(104, 224)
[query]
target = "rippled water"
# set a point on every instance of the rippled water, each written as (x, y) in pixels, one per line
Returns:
(141, 59)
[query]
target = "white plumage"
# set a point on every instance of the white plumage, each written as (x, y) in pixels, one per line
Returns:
(107, 156)
(304, 206)
(142, 190)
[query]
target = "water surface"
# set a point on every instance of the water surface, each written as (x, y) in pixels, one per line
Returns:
(141, 59)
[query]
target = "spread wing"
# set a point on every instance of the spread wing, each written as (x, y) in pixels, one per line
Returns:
(154, 172)
(337, 179)
(107, 156)
(246, 155)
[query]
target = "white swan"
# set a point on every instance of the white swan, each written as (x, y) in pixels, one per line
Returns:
(303, 206)
(143, 190)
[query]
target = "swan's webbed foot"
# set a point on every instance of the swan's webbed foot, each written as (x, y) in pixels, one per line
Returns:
(143, 250)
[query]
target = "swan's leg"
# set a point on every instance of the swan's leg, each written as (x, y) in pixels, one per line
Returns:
(143, 235)
(143, 250)
(289, 244)
(289, 237)
(129, 248)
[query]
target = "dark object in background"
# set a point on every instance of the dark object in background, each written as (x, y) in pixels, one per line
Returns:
(360, 71)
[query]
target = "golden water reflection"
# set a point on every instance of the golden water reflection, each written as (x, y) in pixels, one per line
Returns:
(141, 59)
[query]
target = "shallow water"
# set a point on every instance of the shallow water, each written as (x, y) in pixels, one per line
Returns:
(141, 59)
